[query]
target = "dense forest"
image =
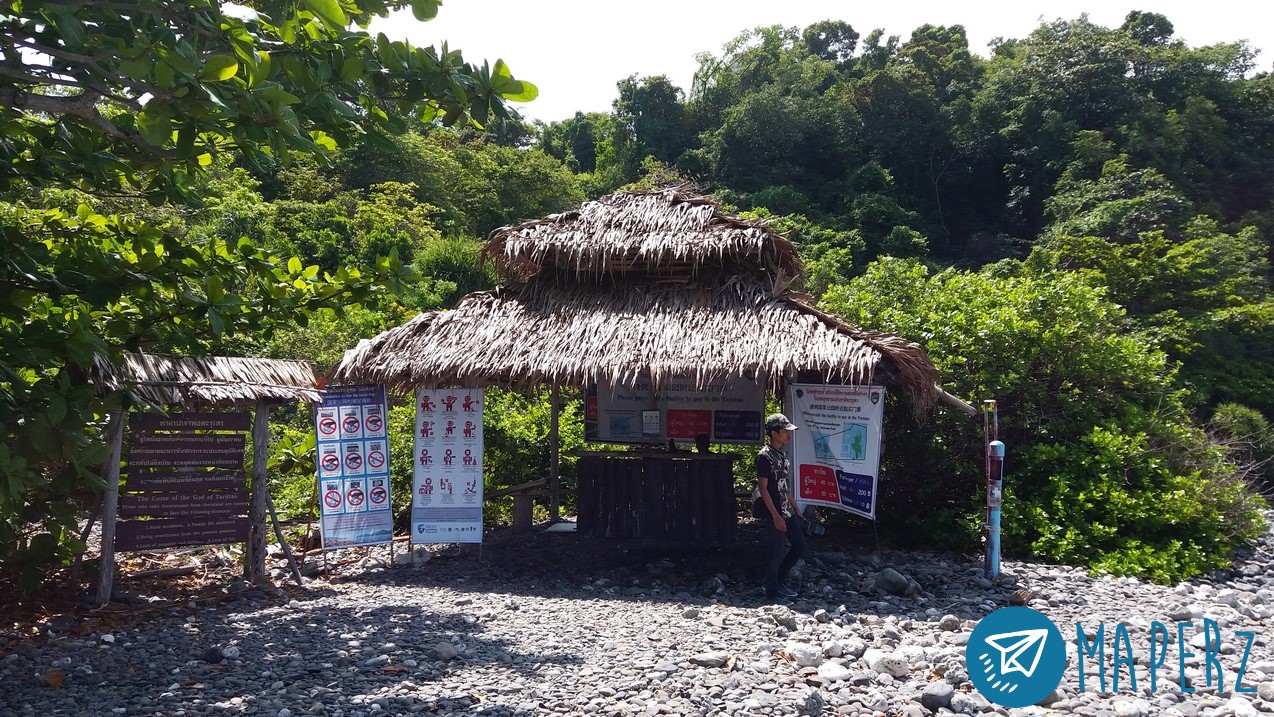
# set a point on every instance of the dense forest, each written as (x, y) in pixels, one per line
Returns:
(1080, 225)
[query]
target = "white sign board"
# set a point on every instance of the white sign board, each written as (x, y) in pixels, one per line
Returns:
(836, 452)
(447, 479)
(727, 411)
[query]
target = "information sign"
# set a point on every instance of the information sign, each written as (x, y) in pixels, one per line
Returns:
(348, 463)
(447, 483)
(836, 451)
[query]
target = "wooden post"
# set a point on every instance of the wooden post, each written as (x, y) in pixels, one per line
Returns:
(260, 491)
(110, 505)
(523, 511)
(287, 549)
(555, 457)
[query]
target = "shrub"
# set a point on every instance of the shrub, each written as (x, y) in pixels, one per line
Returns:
(1104, 467)
(1247, 434)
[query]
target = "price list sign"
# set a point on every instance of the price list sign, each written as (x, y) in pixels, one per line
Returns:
(447, 480)
(836, 452)
(353, 467)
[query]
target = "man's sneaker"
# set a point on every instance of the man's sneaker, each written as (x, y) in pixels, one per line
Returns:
(786, 592)
(777, 600)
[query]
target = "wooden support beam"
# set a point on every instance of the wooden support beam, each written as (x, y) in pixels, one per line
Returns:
(260, 492)
(110, 505)
(555, 464)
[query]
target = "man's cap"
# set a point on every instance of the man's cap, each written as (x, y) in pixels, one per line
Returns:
(777, 422)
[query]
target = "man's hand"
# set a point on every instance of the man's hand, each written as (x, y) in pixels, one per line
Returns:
(780, 524)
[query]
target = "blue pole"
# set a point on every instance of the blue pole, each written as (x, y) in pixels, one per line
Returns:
(994, 490)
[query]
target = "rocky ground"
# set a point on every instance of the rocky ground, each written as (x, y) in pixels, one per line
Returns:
(553, 623)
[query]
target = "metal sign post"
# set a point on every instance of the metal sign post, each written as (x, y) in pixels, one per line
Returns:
(994, 485)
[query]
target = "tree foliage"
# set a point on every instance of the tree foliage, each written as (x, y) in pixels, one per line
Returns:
(133, 101)
(1104, 466)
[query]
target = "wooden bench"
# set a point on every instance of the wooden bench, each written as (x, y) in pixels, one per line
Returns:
(524, 495)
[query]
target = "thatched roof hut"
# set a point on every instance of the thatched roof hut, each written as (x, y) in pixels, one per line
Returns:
(638, 284)
(192, 382)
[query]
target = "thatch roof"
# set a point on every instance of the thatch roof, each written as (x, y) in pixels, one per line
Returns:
(532, 334)
(638, 285)
(212, 380)
(668, 233)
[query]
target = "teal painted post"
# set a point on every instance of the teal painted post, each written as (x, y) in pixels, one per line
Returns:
(994, 491)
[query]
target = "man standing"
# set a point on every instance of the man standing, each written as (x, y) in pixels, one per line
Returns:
(783, 523)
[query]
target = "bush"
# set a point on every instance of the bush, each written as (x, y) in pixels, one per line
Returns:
(1104, 467)
(1247, 434)
(516, 437)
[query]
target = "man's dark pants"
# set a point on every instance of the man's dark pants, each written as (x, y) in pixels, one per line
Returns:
(776, 541)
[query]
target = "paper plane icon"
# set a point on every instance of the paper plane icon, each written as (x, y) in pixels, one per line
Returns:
(1012, 647)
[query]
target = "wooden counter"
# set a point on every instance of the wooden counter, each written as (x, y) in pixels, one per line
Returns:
(658, 495)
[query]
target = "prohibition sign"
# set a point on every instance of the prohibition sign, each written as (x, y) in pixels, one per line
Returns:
(355, 497)
(373, 423)
(331, 461)
(375, 459)
(327, 425)
(378, 496)
(353, 461)
(332, 499)
(350, 424)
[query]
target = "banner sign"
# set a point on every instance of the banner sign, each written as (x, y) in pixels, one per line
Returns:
(353, 467)
(184, 480)
(836, 452)
(727, 411)
(447, 481)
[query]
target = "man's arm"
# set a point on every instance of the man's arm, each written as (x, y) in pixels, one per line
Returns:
(775, 515)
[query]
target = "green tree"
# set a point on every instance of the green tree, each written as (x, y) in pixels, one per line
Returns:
(652, 113)
(139, 99)
(1204, 292)
(154, 89)
(1106, 467)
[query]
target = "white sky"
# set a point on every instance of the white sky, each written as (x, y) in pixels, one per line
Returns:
(576, 50)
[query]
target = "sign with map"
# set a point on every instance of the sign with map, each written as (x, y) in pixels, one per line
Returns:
(836, 451)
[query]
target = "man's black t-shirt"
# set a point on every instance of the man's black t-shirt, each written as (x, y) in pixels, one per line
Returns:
(772, 464)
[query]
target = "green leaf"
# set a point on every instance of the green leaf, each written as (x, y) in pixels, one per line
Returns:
(57, 408)
(219, 68)
(517, 91)
(214, 288)
(137, 69)
(503, 84)
(154, 123)
(262, 71)
(164, 75)
(329, 10)
(323, 140)
(294, 265)
(352, 68)
(424, 10)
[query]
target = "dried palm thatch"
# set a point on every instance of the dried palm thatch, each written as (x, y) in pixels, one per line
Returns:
(189, 382)
(541, 332)
(638, 285)
(670, 232)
